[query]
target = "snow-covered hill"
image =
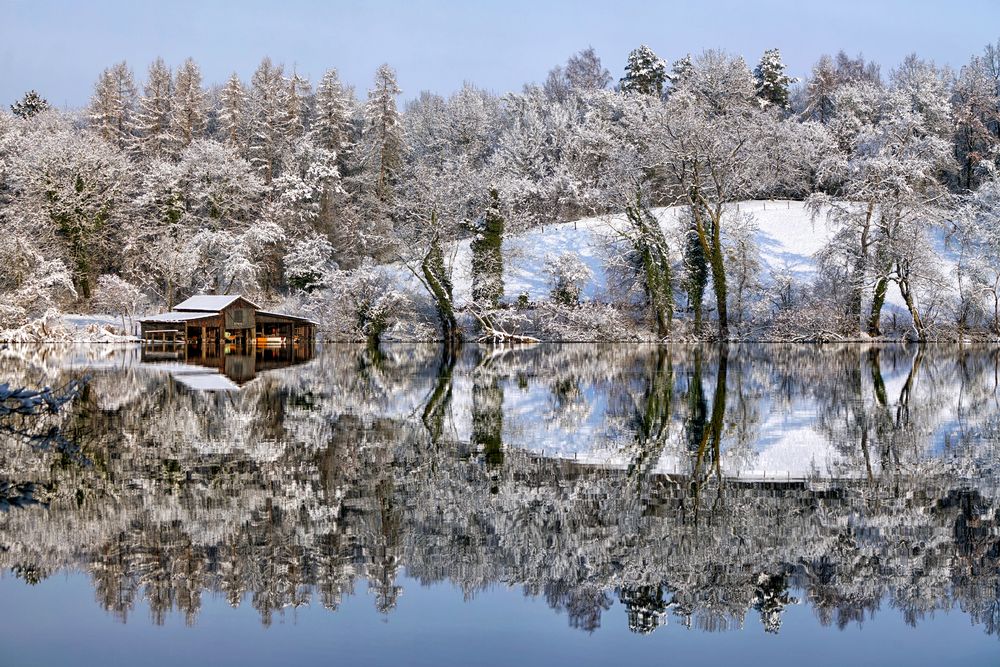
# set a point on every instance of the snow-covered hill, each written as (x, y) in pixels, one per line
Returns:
(787, 236)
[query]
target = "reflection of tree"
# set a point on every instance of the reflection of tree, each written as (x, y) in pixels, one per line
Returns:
(708, 454)
(653, 416)
(645, 607)
(487, 413)
(770, 599)
(437, 403)
(348, 474)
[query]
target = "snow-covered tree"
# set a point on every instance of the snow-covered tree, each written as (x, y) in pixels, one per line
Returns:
(771, 81)
(532, 153)
(78, 186)
(568, 275)
(331, 125)
(707, 150)
(645, 73)
(31, 284)
(383, 134)
(791, 155)
(189, 109)
(31, 104)
(976, 103)
(820, 89)
(373, 303)
(888, 197)
(153, 121)
(681, 70)
(233, 115)
(267, 118)
(977, 238)
(114, 294)
(644, 254)
(191, 217)
(583, 73)
(112, 107)
(296, 107)
(828, 75)
(743, 264)
(309, 262)
(928, 88)
(719, 81)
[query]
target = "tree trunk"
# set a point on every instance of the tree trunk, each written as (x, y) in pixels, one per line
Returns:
(918, 324)
(860, 267)
(719, 276)
(439, 285)
(878, 300)
(696, 270)
(652, 248)
(711, 243)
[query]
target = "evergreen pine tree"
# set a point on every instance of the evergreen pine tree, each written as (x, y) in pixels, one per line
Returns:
(771, 81)
(681, 72)
(331, 123)
(383, 133)
(645, 73)
(153, 120)
(30, 105)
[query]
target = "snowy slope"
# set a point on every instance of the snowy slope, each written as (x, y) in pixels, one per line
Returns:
(787, 236)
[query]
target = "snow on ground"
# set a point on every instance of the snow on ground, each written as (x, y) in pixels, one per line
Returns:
(55, 327)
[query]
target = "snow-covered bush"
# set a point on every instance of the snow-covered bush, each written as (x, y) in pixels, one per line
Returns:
(585, 322)
(743, 264)
(30, 285)
(308, 263)
(118, 296)
(373, 301)
(362, 304)
(567, 277)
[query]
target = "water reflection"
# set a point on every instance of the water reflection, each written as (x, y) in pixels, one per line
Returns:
(692, 485)
(223, 367)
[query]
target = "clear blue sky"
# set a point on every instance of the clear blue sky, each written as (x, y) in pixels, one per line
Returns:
(59, 47)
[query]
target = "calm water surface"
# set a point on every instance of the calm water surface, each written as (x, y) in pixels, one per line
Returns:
(575, 504)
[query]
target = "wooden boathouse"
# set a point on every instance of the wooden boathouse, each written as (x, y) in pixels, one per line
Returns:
(209, 320)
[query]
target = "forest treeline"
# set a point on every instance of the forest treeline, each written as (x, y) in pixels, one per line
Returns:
(302, 196)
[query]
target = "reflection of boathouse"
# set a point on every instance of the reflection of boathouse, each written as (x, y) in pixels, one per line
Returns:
(228, 336)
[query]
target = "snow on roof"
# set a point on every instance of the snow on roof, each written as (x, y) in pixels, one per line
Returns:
(210, 302)
(173, 317)
(206, 381)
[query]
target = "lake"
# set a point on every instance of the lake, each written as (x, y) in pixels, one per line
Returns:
(538, 505)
